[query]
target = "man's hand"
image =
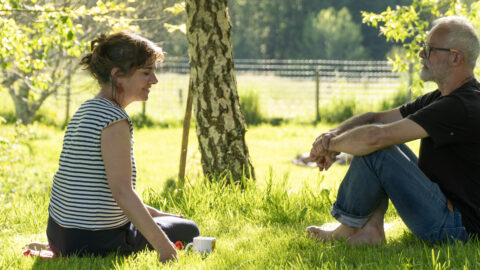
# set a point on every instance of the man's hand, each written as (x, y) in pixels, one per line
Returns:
(325, 162)
(320, 146)
(320, 153)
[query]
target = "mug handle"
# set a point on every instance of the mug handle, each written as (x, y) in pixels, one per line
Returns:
(189, 245)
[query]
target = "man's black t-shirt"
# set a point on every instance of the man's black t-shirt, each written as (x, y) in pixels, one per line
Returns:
(450, 155)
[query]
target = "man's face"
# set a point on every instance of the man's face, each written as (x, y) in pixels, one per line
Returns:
(435, 67)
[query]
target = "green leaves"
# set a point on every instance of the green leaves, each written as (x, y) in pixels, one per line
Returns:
(172, 28)
(176, 9)
(409, 25)
(332, 34)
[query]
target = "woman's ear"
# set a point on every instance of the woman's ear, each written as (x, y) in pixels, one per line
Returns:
(115, 72)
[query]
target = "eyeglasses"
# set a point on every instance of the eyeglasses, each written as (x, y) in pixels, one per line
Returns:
(428, 49)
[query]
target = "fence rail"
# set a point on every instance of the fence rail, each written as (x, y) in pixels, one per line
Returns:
(329, 69)
(287, 88)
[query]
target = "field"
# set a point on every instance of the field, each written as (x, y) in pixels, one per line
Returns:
(258, 228)
(287, 98)
(261, 227)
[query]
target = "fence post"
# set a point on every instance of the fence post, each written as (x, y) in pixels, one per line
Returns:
(180, 97)
(317, 95)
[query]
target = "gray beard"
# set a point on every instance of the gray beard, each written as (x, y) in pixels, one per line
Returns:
(426, 75)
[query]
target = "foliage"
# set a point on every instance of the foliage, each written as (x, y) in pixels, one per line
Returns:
(43, 40)
(339, 110)
(250, 106)
(40, 41)
(400, 98)
(332, 34)
(409, 25)
(16, 150)
(275, 28)
(159, 21)
(141, 120)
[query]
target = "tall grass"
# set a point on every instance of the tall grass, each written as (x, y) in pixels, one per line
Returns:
(259, 227)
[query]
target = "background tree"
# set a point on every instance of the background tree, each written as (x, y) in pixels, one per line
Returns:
(409, 25)
(41, 40)
(274, 28)
(332, 34)
(220, 124)
(158, 20)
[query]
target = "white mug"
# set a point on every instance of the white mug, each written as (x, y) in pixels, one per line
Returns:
(202, 244)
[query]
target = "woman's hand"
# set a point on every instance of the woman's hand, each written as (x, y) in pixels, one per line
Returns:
(167, 252)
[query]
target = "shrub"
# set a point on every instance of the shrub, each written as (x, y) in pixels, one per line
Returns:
(400, 98)
(250, 106)
(142, 120)
(339, 110)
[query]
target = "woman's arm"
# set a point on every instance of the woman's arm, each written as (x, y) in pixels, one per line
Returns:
(157, 213)
(115, 143)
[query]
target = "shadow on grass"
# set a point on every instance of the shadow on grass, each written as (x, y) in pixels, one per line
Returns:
(112, 261)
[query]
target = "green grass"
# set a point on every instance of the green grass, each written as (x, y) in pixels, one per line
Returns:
(260, 227)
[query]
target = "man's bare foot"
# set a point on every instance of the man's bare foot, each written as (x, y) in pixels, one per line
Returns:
(37, 246)
(322, 235)
(368, 235)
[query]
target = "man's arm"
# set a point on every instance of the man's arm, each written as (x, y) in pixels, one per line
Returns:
(384, 117)
(366, 139)
(324, 161)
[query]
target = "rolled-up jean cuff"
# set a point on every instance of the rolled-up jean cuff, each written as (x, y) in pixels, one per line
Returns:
(347, 219)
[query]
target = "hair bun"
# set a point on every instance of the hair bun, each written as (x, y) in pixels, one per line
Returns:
(98, 41)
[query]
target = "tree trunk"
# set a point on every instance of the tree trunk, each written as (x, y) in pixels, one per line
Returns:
(20, 100)
(219, 122)
(25, 109)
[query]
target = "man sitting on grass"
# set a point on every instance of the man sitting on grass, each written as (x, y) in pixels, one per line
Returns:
(437, 196)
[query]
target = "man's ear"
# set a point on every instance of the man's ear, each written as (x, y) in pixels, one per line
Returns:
(458, 59)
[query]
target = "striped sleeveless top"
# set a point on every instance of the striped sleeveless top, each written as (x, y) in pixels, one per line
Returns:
(81, 197)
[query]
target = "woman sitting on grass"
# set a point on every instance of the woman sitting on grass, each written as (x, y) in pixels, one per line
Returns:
(94, 208)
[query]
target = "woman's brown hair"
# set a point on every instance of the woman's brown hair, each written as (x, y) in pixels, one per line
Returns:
(123, 50)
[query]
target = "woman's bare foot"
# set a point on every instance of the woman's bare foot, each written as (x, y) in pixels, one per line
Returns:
(322, 235)
(368, 235)
(37, 246)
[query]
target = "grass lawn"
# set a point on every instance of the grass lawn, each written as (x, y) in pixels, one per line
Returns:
(261, 227)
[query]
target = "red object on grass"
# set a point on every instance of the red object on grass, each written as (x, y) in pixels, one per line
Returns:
(43, 254)
(179, 245)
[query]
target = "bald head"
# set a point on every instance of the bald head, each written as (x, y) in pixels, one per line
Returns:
(461, 36)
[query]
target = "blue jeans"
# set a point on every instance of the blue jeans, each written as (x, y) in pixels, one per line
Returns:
(392, 173)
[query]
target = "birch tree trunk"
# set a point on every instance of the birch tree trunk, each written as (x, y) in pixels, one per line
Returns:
(220, 124)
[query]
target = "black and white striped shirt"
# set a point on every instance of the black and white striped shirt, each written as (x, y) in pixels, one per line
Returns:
(81, 197)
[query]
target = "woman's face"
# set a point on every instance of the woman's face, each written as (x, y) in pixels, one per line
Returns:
(136, 87)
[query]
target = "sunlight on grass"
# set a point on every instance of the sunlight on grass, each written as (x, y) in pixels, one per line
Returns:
(262, 226)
